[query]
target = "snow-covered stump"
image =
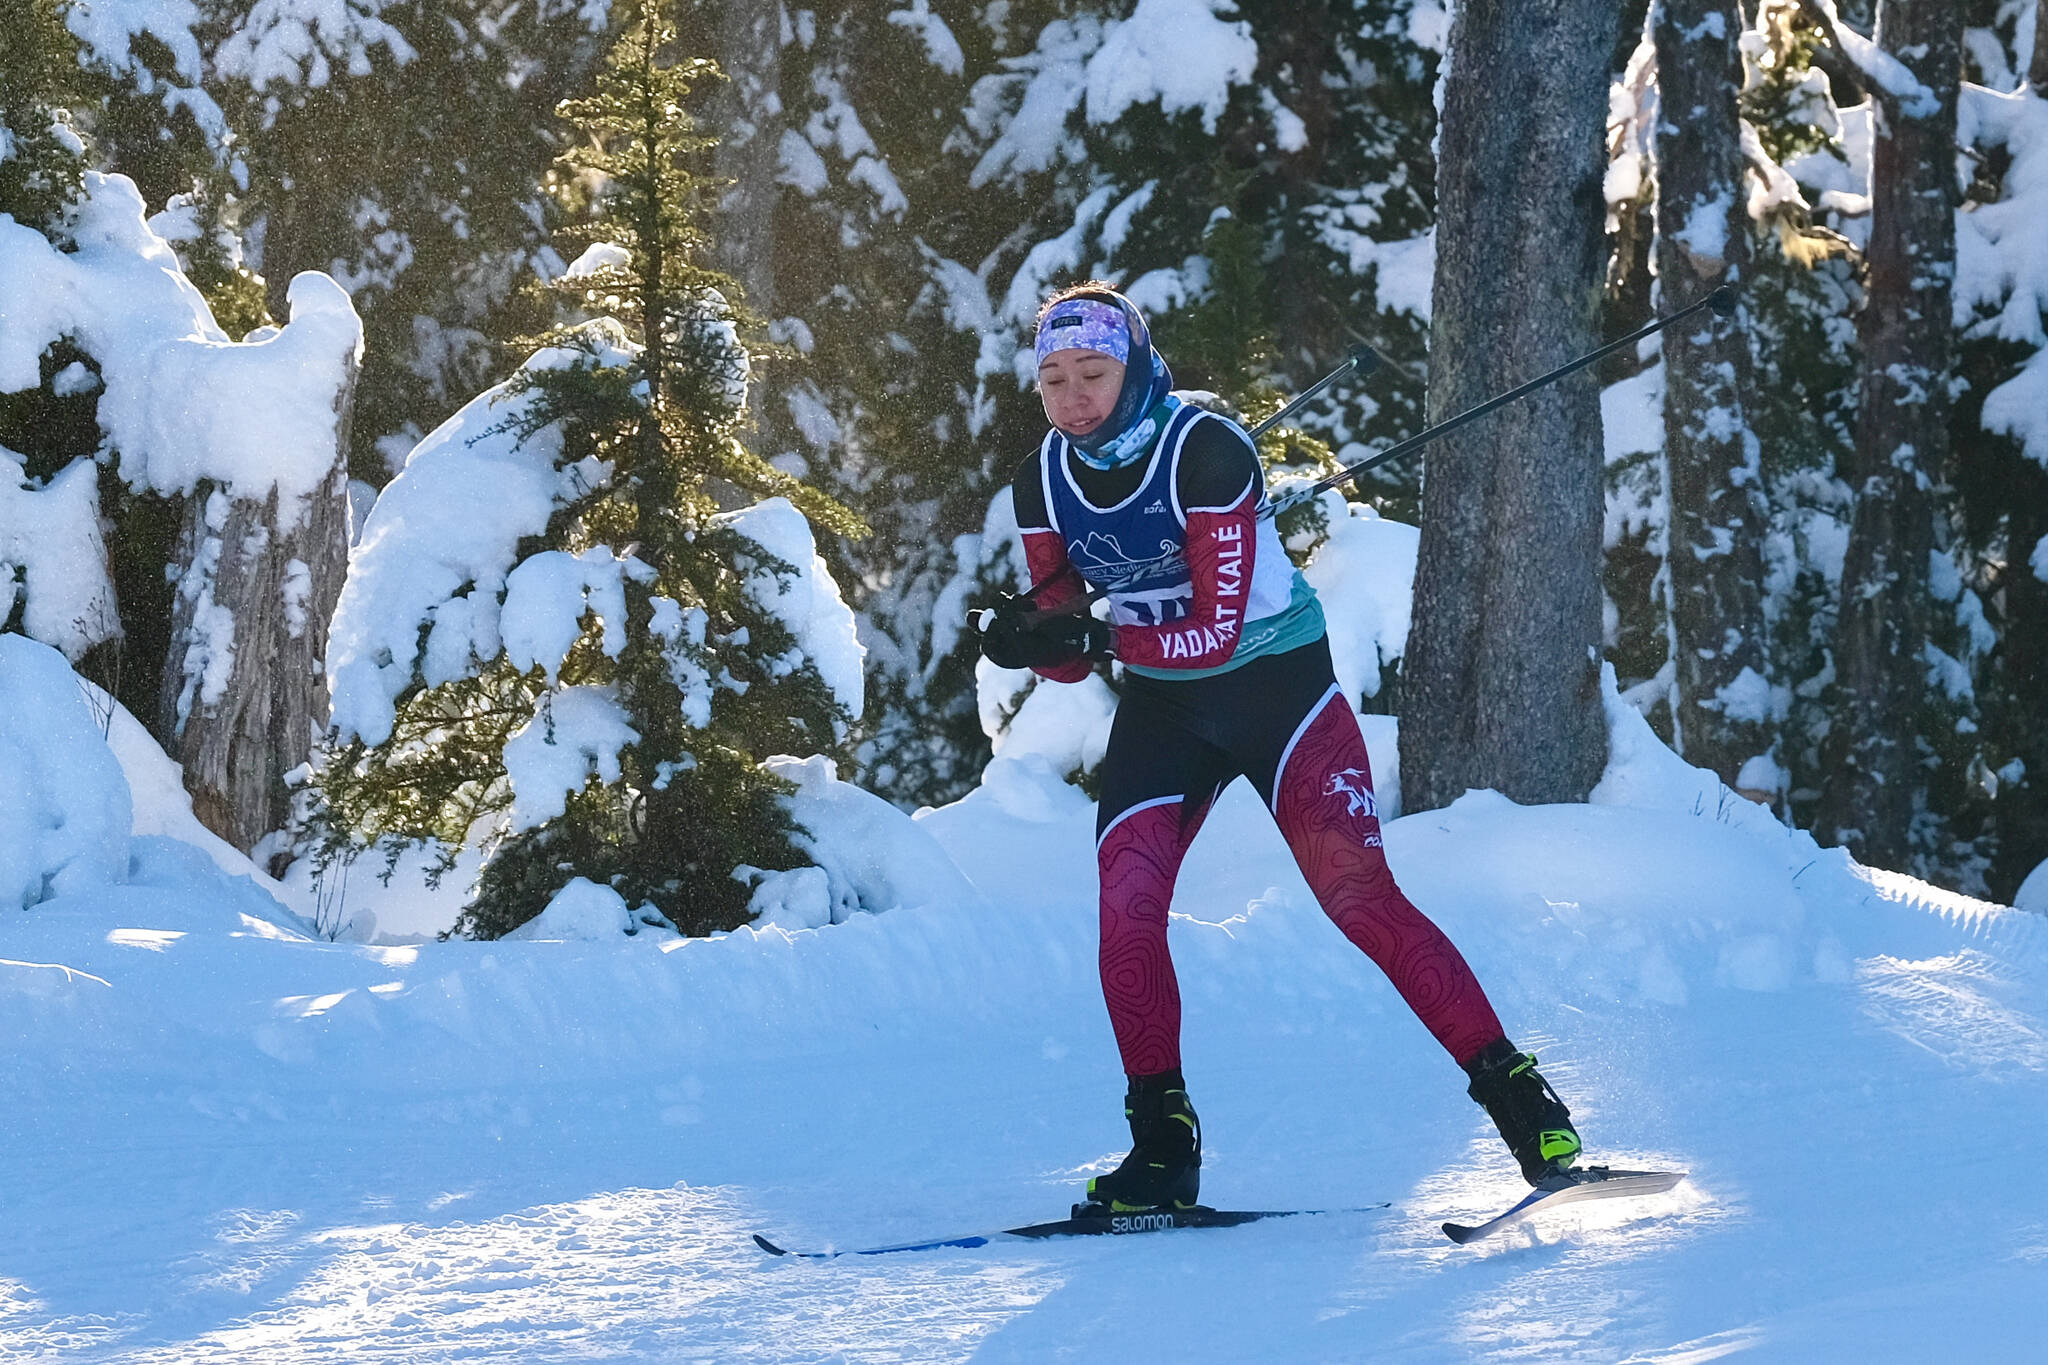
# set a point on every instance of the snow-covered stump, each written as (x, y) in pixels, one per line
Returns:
(250, 433)
(244, 691)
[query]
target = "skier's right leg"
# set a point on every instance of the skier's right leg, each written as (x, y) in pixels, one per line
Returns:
(1158, 781)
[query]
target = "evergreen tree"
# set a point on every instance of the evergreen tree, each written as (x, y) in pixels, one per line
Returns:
(1882, 632)
(41, 158)
(680, 673)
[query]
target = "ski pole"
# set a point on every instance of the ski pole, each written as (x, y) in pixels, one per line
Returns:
(1363, 360)
(1721, 301)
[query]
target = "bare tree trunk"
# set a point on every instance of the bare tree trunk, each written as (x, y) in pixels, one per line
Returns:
(1501, 677)
(2037, 69)
(244, 691)
(1718, 515)
(1902, 442)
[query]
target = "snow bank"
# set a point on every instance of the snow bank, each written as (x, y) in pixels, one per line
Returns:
(156, 784)
(870, 856)
(92, 806)
(65, 808)
(581, 910)
(1643, 771)
(2033, 892)
(363, 902)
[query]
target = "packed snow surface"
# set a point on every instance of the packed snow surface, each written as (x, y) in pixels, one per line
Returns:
(235, 1142)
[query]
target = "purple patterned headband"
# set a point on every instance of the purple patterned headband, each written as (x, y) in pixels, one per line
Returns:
(1086, 325)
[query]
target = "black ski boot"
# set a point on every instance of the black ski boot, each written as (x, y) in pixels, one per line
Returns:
(1533, 1120)
(1164, 1169)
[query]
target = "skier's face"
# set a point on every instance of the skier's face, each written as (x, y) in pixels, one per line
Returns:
(1079, 389)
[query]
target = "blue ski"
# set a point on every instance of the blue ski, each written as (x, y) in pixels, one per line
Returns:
(1088, 1221)
(1570, 1187)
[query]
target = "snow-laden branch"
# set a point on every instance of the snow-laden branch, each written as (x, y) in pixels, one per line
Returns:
(2001, 281)
(1886, 74)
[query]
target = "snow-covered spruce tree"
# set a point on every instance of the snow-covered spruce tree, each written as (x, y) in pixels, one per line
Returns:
(1902, 438)
(2001, 431)
(553, 641)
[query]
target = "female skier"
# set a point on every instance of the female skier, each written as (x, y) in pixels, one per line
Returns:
(1226, 672)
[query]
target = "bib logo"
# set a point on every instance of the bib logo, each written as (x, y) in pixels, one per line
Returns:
(1356, 789)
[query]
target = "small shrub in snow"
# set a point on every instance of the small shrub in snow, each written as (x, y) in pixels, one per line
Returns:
(552, 640)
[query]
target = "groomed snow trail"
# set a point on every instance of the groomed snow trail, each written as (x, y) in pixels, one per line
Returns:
(231, 1143)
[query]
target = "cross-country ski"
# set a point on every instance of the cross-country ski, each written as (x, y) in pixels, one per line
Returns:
(1570, 1187)
(1086, 1221)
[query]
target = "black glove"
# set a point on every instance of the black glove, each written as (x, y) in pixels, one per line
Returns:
(1010, 640)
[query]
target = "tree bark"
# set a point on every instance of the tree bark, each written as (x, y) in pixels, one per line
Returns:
(1902, 444)
(1501, 681)
(1715, 559)
(244, 688)
(2037, 69)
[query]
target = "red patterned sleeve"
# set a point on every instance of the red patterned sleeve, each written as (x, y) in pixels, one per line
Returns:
(1046, 555)
(1220, 545)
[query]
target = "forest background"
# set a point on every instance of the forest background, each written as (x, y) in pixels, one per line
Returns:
(893, 189)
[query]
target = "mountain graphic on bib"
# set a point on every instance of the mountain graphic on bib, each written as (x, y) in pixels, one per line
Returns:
(1104, 561)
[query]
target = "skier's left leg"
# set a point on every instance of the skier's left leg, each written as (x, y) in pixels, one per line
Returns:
(1320, 792)
(1321, 795)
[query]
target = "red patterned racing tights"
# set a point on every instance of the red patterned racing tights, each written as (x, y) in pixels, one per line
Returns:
(1283, 722)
